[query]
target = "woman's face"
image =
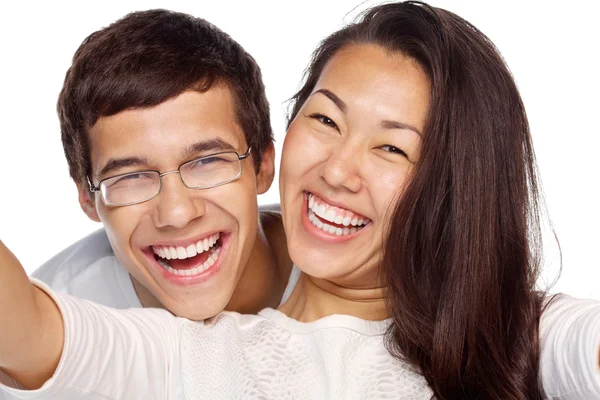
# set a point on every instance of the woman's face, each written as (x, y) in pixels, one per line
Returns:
(346, 157)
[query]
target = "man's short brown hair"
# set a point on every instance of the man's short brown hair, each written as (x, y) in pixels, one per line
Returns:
(147, 58)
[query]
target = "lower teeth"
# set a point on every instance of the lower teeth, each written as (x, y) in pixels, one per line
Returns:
(334, 230)
(210, 261)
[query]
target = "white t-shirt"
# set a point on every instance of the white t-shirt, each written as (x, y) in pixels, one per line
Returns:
(150, 354)
(88, 269)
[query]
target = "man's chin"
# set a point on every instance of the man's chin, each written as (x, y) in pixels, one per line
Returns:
(196, 313)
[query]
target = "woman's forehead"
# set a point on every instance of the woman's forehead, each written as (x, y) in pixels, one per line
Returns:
(367, 78)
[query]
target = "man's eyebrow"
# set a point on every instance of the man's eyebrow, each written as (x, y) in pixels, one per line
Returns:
(333, 97)
(117, 163)
(399, 125)
(210, 145)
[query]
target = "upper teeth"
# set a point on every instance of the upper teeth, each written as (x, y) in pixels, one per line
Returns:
(181, 252)
(333, 214)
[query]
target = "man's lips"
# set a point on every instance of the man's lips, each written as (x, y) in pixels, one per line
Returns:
(174, 252)
(191, 266)
(195, 269)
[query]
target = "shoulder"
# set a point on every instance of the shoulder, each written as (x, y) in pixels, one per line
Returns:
(270, 209)
(78, 256)
(561, 307)
(271, 219)
(271, 222)
(569, 343)
(89, 269)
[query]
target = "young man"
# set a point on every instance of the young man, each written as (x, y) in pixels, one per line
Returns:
(166, 130)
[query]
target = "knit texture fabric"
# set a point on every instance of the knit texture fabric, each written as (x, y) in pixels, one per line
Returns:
(274, 357)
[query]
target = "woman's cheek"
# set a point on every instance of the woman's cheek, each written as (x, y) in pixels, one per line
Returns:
(388, 187)
(300, 150)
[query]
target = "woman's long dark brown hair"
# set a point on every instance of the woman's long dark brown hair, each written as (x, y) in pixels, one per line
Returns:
(463, 249)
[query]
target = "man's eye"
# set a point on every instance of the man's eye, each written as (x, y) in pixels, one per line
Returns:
(130, 177)
(130, 180)
(393, 149)
(324, 119)
(202, 162)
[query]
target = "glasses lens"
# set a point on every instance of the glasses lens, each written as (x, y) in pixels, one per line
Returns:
(130, 188)
(212, 170)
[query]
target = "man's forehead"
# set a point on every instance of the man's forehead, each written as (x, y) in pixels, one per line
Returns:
(191, 123)
(190, 117)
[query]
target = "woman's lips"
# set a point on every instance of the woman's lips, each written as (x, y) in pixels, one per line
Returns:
(351, 225)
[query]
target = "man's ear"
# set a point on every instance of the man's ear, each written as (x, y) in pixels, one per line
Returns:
(87, 203)
(265, 176)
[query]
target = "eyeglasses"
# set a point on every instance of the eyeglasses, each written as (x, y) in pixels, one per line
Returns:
(200, 173)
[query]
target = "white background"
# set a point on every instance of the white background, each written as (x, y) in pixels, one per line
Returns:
(550, 46)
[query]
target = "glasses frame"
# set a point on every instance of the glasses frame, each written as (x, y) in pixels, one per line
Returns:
(98, 188)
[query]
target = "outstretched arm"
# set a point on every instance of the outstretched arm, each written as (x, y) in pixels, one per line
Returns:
(69, 348)
(31, 329)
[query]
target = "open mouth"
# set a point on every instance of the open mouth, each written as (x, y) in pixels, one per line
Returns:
(334, 220)
(191, 260)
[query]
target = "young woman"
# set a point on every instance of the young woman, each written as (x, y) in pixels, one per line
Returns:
(409, 197)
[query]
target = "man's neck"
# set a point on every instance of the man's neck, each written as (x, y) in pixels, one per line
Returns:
(267, 270)
(265, 277)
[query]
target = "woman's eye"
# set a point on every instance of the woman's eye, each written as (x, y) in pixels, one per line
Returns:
(324, 119)
(393, 149)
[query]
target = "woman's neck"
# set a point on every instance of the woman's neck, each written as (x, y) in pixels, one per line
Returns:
(315, 298)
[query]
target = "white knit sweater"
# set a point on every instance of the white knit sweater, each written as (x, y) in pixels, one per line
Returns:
(150, 354)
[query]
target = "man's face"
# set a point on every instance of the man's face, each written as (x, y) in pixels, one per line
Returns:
(156, 239)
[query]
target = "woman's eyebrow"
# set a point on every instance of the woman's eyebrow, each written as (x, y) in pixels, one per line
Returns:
(387, 124)
(333, 97)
